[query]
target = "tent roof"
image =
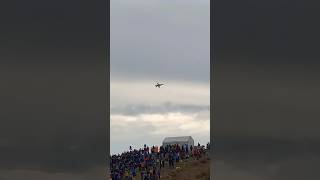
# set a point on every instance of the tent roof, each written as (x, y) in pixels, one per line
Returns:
(177, 139)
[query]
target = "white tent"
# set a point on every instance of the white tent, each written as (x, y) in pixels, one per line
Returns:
(182, 140)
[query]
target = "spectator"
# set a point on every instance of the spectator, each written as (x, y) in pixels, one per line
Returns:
(149, 163)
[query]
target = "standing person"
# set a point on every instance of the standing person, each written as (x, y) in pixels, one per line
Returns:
(158, 173)
(130, 177)
(167, 157)
(187, 148)
(142, 173)
(133, 171)
(183, 148)
(158, 161)
(154, 173)
(171, 159)
(197, 153)
(178, 156)
(146, 174)
(117, 176)
(161, 160)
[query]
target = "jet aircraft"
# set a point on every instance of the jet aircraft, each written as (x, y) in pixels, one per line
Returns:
(158, 85)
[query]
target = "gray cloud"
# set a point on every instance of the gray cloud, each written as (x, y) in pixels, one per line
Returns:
(136, 109)
(144, 92)
(160, 39)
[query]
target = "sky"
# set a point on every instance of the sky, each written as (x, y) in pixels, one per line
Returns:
(159, 41)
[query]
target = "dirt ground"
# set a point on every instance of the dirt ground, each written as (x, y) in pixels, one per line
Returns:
(190, 170)
(187, 170)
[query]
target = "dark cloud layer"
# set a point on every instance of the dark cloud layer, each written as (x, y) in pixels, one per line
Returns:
(136, 109)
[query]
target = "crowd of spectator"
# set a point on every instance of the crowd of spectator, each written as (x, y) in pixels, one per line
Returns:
(148, 162)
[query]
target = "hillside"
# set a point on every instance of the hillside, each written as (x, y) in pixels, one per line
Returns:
(187, 170)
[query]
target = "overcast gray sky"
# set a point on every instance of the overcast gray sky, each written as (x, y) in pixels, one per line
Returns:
(159, 41)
